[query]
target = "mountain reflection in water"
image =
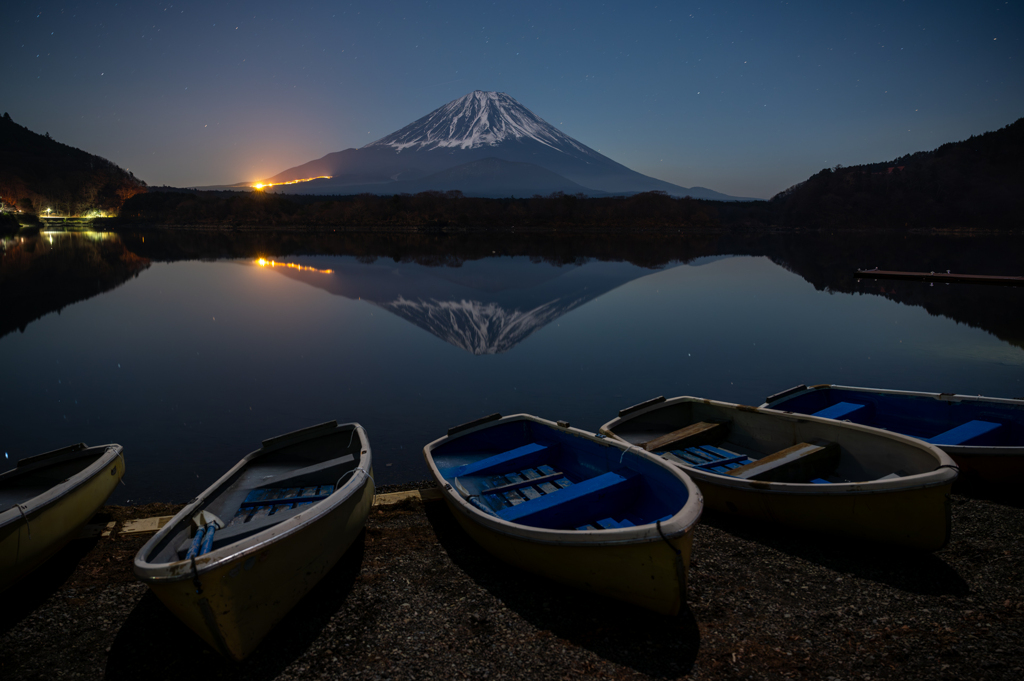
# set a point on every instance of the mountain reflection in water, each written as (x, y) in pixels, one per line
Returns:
(484, 307)
(184, 350)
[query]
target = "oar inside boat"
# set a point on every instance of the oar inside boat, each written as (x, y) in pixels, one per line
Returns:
(246, 549)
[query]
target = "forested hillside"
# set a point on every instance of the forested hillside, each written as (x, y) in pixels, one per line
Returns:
(37, 172)
(977, 183)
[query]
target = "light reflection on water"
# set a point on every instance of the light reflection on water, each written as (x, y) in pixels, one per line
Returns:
(191, 364)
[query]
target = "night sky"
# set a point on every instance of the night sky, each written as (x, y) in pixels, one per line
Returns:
(745, 98)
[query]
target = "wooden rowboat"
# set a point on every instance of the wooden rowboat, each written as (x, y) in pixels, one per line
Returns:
(237, 558)
(984, 435)
(572, 506)
(47, 499)
(802, 471)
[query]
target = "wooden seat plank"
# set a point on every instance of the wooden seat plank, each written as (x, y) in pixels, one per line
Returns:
(800, 463)
(692, 435)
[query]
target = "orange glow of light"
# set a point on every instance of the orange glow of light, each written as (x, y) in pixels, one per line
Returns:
(263, 262)
(263, 185)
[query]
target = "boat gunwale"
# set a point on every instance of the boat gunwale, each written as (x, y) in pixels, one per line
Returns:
(945, 473)
(677, 526)
(945, 397)
(52, 495)
(953, 450)
(180, 570)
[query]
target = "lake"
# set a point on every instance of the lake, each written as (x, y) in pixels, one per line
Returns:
(188, 349)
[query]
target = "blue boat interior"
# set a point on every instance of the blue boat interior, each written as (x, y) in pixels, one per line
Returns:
(536, 475)
(937, 421)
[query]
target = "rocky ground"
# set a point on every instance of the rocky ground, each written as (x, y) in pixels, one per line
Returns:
(417, 599)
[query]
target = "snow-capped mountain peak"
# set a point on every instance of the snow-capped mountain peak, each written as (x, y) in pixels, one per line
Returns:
(478, 119)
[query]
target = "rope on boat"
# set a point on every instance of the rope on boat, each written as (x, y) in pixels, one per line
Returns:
(949, 465)
(629, 448)
(124, 467)
(680, 568)
(24, 517)
(195, 577)
(337, 485)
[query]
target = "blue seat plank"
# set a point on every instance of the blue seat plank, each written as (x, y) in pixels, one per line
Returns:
(530, 492)
(964, 433)
(612, 523)
(840, 410)
(708, 458)
(267, 501)
(720, 453)
(288, 501)
(687, 456)
(492, 464)
(606, 524)
(549, 507)
(723, 463)
(260, 512)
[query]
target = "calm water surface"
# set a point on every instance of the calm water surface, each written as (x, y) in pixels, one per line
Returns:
(191, 364)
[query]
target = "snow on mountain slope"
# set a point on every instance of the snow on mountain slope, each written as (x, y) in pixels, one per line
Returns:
(476, 120)
(482, 328)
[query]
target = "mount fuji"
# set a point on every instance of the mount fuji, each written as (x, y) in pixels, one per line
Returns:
(483, 144)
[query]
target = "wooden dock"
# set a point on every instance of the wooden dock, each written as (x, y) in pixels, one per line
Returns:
(944, 277)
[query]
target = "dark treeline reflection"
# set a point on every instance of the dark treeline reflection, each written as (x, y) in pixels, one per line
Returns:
(37, 277)
(46, 272)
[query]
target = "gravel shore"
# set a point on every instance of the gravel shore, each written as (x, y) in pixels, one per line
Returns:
(417, 599)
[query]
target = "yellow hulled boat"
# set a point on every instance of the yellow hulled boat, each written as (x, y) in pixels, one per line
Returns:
(572, 506)
(234, 561)
(806, 472)
(48, 498)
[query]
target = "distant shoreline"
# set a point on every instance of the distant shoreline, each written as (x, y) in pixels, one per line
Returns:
(553, 231)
